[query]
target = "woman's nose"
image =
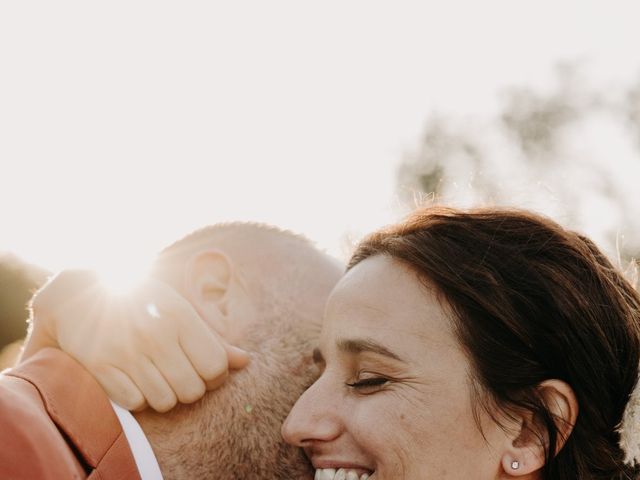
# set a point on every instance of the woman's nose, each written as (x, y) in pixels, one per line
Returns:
(314, 417)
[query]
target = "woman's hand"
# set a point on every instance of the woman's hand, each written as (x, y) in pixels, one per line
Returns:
(146, 347)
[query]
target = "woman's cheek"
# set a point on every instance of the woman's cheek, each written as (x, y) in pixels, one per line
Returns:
(382, 427)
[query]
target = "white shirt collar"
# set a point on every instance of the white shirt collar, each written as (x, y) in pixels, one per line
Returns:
(140, 447)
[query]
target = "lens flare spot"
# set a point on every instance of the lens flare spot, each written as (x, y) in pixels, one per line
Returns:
(122, 277)
(152, 309)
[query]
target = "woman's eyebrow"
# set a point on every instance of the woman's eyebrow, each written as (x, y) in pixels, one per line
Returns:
(318, 359)
(361, 345)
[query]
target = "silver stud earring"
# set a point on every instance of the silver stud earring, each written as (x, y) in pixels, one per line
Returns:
(515, 465)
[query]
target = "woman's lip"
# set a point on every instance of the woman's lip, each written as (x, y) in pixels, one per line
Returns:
(337, 464)
(341, 474)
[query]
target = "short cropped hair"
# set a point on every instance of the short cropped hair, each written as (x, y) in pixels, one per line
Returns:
(268, 256)
(248, 229)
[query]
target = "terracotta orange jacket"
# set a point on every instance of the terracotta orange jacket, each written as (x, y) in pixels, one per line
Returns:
(57, 423)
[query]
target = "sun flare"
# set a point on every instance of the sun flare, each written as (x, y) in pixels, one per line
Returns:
(121, 277)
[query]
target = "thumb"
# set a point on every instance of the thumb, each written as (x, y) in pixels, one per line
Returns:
(237, 357)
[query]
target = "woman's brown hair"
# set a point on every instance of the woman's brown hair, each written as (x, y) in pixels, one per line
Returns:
(532, 301)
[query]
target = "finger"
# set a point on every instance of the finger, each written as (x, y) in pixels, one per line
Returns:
(181, 375)
(120, 388)
(153, 385)
(237, 357)
(217, 382)
(142, 407)
(204, 349)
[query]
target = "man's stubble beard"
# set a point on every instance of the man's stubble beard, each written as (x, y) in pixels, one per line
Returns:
(234, 432)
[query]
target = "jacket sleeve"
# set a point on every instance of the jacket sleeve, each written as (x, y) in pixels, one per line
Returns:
(31, 446)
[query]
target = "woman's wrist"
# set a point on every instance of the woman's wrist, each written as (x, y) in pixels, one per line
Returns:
(46, 305)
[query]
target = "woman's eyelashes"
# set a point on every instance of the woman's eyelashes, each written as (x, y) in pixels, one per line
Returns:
(368, 384)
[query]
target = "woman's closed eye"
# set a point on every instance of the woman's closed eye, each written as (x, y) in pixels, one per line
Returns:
(369, 384)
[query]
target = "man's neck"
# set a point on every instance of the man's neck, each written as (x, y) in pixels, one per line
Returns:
(164, 444)
(139, 445)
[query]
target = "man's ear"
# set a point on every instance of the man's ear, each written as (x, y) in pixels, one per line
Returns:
(208, 278)
(525, 453)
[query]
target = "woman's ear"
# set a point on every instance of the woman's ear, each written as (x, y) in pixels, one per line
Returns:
(208, 278)
(526, 452)
(562, 403)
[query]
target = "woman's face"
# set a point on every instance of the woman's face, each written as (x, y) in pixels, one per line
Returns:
(395, 398)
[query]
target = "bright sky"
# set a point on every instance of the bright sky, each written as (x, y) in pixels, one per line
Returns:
(124, 125)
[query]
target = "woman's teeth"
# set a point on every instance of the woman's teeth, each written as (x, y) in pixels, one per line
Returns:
(340, 474)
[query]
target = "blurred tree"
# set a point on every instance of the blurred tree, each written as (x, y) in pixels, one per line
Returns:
(566, 151)
(537, 121)
(18, 281)
(631, 107)
(424, 172)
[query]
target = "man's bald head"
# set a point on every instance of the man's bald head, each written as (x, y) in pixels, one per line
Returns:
(273, 284)
(275, 268)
